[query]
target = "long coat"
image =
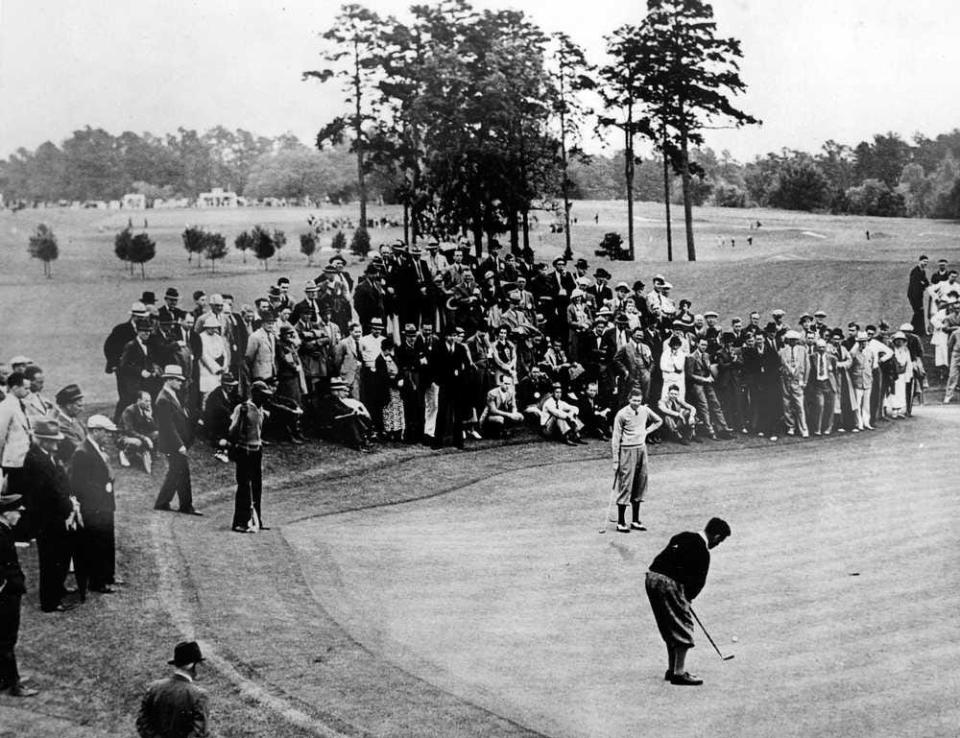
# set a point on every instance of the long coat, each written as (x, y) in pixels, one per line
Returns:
(172, 423)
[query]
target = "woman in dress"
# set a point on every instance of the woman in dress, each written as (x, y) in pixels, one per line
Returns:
(392, 378)
(213, 356)
(896, 401)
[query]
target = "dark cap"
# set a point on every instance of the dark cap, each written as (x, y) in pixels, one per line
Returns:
(10, 502)
(186, 653)
(70, 393)
(148, 298)
(172, 292)
(228, 379)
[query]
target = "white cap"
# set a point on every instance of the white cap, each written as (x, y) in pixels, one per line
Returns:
(100, 421)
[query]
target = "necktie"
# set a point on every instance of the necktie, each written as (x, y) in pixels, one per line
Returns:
(823, 367)
(356, 342)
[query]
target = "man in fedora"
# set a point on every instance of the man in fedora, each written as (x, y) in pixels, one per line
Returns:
(173, 440)
(170, 313)
(91, 480)
(53, 510)
(12, 588)
(175, 707)
(118, 339)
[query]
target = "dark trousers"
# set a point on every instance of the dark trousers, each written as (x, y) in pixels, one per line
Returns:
(95, 559)
(911, 388)
(249, 486)
(9, 630)
(413, 414)
(766, 409)
(449, 417)
(53, 554)
(877, 392)
(177, 482)
(823, 400)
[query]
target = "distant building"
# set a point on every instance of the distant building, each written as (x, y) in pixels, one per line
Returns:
(217, 198)
(134, 201)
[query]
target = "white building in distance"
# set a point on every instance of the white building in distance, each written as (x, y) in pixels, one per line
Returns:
(217, 198)
(134, 201)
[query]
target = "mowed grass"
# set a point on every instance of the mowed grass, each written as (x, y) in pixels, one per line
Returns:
(797, 262)
(94, 662)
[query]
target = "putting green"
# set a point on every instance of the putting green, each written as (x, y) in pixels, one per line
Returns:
(840, 581)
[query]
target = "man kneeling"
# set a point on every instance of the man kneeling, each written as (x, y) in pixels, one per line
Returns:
(679, 417)
(500, 415)
(558, 419)
(138, 432)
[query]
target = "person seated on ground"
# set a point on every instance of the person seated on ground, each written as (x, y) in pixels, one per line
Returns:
(532, 391)
(500, 415)
(138, 432)
(679, 417)
(347, 419)
(217, 408)
(594, 416)
(558, 418)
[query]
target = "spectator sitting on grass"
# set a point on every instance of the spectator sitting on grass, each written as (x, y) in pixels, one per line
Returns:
(500, 415)
(138, 432)
(558, 418)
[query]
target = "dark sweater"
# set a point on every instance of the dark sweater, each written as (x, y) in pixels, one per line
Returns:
(686, 560)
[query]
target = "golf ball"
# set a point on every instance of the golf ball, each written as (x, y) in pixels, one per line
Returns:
(734, 639)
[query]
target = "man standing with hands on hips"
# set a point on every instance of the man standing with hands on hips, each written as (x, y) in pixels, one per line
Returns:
(630, 429)
(675, 578)
(174, 438)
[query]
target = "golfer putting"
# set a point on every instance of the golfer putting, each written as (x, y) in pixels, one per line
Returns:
(629, 443)
(675, 578)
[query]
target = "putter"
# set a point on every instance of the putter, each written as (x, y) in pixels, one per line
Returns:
(606, 512)
(722, 657)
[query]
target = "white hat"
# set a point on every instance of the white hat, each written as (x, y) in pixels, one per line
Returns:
(899, 335)
(20, 359)
(209, 321)
(666, 286)
(778, 311)
(173, 371)
(792, 334)
(623, 286)
(138, 308)
(100, 421)
(577, 293)
(907, 327)
(216, 300)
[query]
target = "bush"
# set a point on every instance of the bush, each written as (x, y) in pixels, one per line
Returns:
(43, 246)
(611, 245)
(194, 242)
(729, 196)
(263, 246)
(244, 242)
(121, 246)
(141, 250)
(308, 246)
(214, 248)
(874, 197)
(800, 185)
(360, 243)
(339, 242)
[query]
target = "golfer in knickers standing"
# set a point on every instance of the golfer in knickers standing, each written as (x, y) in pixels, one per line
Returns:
(630, 429)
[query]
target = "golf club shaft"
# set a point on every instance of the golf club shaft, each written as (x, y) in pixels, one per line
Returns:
(692, 612)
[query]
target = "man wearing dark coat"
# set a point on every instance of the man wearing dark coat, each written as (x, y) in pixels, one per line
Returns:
(91, 480)
(449, 365)
(915, 289)
(368, 298)
(138, 366)
(174, 440)
(12, 588)
(118, 339)
(761, 368)
(175, 706)
(675, 578)
(53, 512)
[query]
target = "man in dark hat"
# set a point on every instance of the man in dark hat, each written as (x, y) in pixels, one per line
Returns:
(173, 441)
(175, 706)
(675, 578)
(761, 368)
(169, 313)
(217, 408)
(349, 420)
(918, 283)
(600, 289)
(12, 588)
(449, 367)
(53, 512)
(117, 341)
(67, 413)
(139, 366)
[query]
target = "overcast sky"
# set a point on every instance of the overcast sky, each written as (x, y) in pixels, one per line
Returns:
(815, 69)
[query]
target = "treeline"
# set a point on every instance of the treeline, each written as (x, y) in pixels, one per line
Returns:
(94, 164)
(883, 177)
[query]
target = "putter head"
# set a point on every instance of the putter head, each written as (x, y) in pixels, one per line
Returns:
(729, 656)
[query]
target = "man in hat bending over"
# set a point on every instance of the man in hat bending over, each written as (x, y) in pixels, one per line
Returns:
(175, 706)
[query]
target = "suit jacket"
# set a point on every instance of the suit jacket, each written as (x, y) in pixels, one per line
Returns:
(261, 355)
(134, 424)
(449, 367)
(306, 307)
(861, 370)
(831, 366)
(633, 363)
(794, 365)
(49, 498)
(171, 422)
(91, 479)
(686, 560)
(14, 432)
(761, 370)
(168, 315)
(173, 707)
(133, 361)
(918, 283)
(12, 581)
(113, 347)
(348, 359)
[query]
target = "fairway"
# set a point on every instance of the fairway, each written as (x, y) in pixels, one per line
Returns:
(840, 581)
